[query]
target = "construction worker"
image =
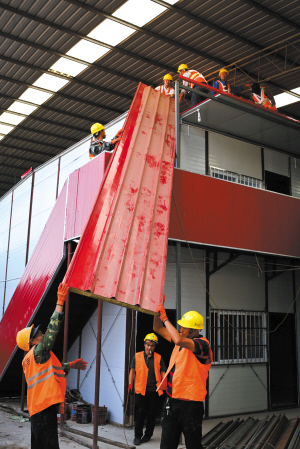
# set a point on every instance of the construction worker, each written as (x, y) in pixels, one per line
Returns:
(224, 86)
(185, 380)
(98, 145)
(166, 88)
(147, 368)
(183, 70)
(263, 97)
(45, 377)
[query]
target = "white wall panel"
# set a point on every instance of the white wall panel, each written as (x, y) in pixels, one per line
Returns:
(276, 162)
(192, 149)
(113, 349)
(44, 193)
(238, 287)
(71, 356)
(240, 390)
(295, 177)
(10, 290)
(5, 208)
(234, 155)
(280, 291)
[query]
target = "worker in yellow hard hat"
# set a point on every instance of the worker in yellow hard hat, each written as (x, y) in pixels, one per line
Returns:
(45, 376)
(185, 379)
(166, 88)
(98, 144)
(192, 74)
(224, 86)
(146, 370)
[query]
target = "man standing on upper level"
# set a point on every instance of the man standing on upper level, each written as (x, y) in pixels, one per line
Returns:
(166, 88)
(184, 71)
(224, 86)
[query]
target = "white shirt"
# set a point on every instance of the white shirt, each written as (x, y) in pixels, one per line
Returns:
(165, 91)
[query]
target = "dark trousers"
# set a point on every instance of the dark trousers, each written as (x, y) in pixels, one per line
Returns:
(196, 98)
(182, 417)
(145, 409)
(44, 429)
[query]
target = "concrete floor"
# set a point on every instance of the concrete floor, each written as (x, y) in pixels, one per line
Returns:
(16, 435)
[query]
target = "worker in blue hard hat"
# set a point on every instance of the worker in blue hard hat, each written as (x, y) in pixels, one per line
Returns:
(146, 370)
(185, 379)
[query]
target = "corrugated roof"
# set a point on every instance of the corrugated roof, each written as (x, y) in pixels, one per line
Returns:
(206, 35)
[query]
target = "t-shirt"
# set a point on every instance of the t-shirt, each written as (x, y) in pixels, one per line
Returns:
(151, 380)
(202, 353)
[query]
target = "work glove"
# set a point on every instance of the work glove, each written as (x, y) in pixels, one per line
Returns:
(247, 85)
(62, 293)
(163, 315)
(130, 388)
(78, 364)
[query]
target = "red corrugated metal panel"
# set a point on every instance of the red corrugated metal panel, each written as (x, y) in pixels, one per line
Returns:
(83, 187)
(221, 213)
(122, 251)
(36, 277)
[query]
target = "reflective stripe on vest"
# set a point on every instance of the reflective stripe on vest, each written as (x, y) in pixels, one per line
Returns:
(262, 99)
(46, 382)
(141, 373)
(194, 75)
(223, 87)
(189, 379)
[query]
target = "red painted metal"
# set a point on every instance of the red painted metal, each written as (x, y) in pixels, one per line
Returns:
(83, 188)
(36, 277)
(122, 251)
(220, 213)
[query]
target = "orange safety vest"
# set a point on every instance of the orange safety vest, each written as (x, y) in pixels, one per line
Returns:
(163, 90)
(224, 88)
(194, 75)
(263, 100)
(141, 373)
(46, 382)
(189, 380)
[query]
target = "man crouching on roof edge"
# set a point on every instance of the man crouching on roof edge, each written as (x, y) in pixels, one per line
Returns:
(185, 379)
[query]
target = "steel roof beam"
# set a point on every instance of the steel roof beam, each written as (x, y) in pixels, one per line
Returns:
(95, 41)
(12, 156)
(11, 165)
(24, 139)
(48, 108)
(27, 150)
(70, 80)
(218, 28)
(7, 174)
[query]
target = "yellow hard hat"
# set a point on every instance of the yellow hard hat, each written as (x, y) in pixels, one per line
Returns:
(96, 128)
(192, 320)
(23, 338)
(181, 67)
(223, 71)
(151, 337)
(168, 77)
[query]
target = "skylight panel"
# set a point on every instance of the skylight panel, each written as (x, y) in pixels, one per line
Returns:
(64, 65)
(171, 2)
(12, 119)
(2, 137)
(21, 108)
(139, 12)
(5, 129)
(111, 32)
(50, 82)
(285, 99)
(87, 51)
(35, 96)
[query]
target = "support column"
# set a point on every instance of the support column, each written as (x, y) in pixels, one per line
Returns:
(178, 281)
(97, 375)
(177, 124)
(207, 323)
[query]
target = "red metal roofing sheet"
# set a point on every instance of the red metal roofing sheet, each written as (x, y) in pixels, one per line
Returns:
(83, 187)
(122, 251)
(36, 277)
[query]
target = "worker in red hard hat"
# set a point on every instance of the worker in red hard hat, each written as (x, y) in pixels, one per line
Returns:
(262, 96)
(224, 86)
(185, 379)
(184, 71)
(45, 376)
(98, 144)
(166, 88)
(146, 369)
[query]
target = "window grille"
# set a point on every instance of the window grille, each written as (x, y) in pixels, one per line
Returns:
(235, 177)
(238, 337)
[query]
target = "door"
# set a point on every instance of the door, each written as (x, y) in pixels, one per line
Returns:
(283, 364)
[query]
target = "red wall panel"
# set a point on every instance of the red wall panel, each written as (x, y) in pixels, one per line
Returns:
(221, 213)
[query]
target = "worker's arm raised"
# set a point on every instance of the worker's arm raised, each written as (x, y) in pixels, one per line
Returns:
(62, 294)
(159, 327)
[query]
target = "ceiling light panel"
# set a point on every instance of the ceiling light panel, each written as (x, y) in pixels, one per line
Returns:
(285, 99)
(2, 137)
(35, 96)
(111, 33)
(69, 67)
(171, 2)
(139, 12)
(87, 51)
(12, 119)
(22, 108)
(5, 129)
(50, 82)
